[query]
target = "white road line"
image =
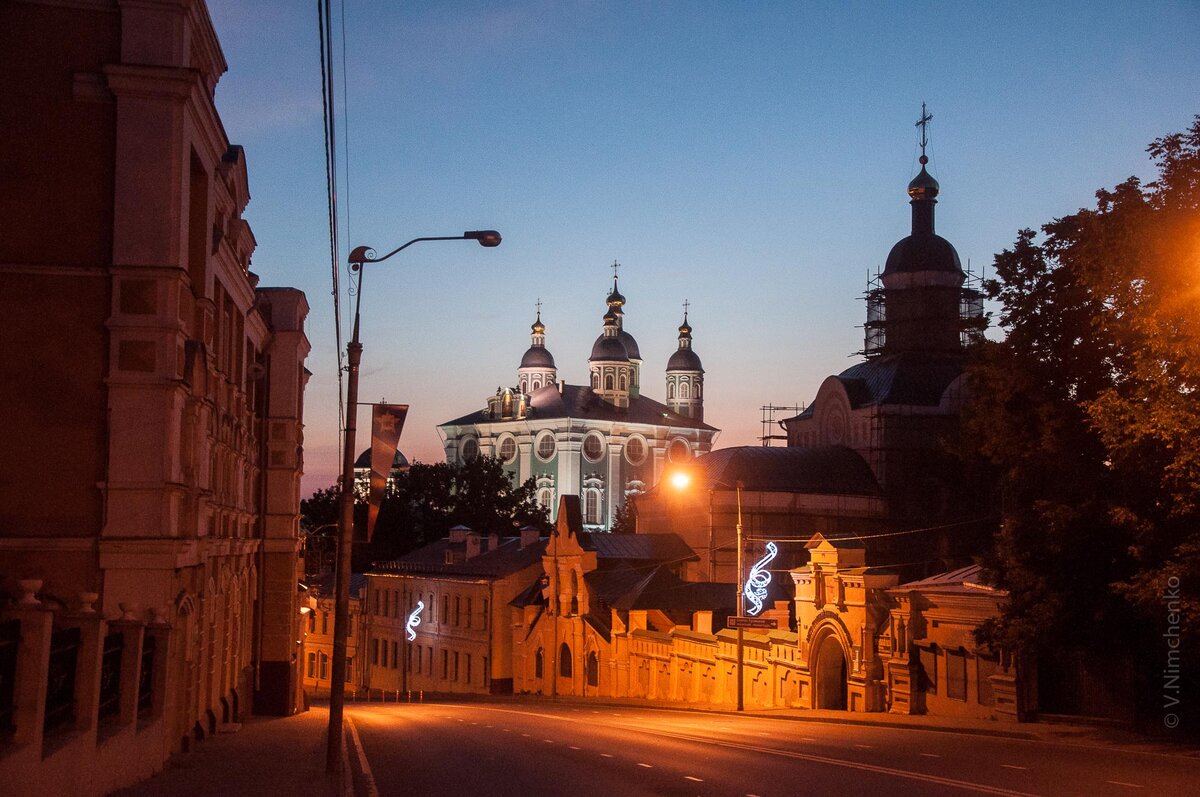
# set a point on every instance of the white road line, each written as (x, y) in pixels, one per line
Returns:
(573, 747)
(931, 755)
(1012, 766)
(508, 730)
(525, 735)
(806, 738)
(694, 780)
(647, 766)
(368, 776)
(548, 741)
(863, 746)
(606, 755)
(1123, 783)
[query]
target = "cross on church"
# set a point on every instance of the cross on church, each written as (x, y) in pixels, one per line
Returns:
(614, 267)
(686, 305)
(539, 307)
(923, 123)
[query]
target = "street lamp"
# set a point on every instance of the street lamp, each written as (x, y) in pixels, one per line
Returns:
(681, 480)
(358, 259)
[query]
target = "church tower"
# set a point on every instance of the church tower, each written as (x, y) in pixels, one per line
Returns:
(537, 366)
(616, 304)
(920, 306)
(685, 376)
(611, 369)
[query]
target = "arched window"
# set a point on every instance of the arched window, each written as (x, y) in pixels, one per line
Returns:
(545, 497)
(591, 508)
(608, 382)
(696, 391)
(624, 382)
(670, 390)
(538, 667)
(683, 390)
(470, 449)
(508, 449)
(593, 669)
(595, 381)
(593, 447)
(524, 384)
(564, 660)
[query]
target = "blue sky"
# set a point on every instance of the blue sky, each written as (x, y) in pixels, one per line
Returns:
(748, 157)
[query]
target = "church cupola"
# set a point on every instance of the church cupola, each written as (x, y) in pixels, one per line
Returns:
(537, 366)
(616, 304)
(919, 307)
(610, 365)
(685, 375)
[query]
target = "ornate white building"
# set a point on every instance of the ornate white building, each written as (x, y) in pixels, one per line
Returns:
(604, 441)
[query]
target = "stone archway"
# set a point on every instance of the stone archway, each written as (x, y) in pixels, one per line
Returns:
(830, 671)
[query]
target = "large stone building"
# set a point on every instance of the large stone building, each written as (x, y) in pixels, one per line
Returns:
(604, 441)
(153, 397)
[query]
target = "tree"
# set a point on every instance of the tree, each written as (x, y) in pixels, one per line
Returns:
(625, 519)
(1090, 410)
(422, 504)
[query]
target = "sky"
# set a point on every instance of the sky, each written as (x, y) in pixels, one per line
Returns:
(750, 158)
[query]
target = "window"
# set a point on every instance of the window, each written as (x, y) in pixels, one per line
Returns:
(374, 653)
(456, 665)
(608, 381)
(324, 667)
(470, 449)
(564, 660)
(928, 669)
(467, 669)
(538, 663)
(324, 622)
(429, 609)
(468, 612)
(624, 382)
(593, 669)
(312, 665)
(678, 451)
(445, 664)
(485, 613)
(545, 447)
(545, 496)
(595, 381)
(591, 509)
(670, 390)
(349, 669)
(683, 390)
(956, 674)
(445, 618)
(457, 610)
(593, 447)
(635, 451)
(508, 449)
(312, 622)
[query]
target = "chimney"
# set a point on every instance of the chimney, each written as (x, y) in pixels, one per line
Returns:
(473, 544)
(459, 534)
(529, 536)
(702, 622)
(493, 541)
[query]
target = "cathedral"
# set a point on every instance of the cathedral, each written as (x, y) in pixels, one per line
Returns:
(604, 441)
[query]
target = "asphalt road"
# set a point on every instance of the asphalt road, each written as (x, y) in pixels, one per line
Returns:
(543, 748)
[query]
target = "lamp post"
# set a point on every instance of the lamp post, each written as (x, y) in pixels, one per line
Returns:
(681, 479)
(341, 617)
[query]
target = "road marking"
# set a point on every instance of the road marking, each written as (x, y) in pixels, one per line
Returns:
(508, 730)
(525, 735)
(548, 741)
(1123, 783)
(573, 747)
(491, 726)
(806, 738)
(474, 723)
(763, 734)
(1012, 766)
(606, 755)
(931, 755)
(694, 780)
(647, 766)
(863, 746)
(368, 778)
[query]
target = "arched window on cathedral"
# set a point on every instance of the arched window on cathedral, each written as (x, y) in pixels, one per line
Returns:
(624, 382)
(591, 507)
(538, 663)
(608, 382)
(564, 660)
(593, 669)
(670, 390)
(683, 390)
(595, 381)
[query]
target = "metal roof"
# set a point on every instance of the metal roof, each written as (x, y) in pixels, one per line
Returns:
(831, 470)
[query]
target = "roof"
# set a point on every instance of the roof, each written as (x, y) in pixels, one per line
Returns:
(922, 252)
(609, 349)
(399, 461)
(323, 584)
(579, 401)
(537, 357)
(505, 559)
(662, 589)
(907, 378)
(964, 579)
(848, 541)
(631, 345)
(835, 470)
(684, 360)
(666, 547)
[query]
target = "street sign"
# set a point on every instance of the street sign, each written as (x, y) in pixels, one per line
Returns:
(751, 622)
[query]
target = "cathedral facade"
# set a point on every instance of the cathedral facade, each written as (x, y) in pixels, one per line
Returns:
(604, 441)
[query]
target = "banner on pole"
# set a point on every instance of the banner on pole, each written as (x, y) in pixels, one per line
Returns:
(387, 420)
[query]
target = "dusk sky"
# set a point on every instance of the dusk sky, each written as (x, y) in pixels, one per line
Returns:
(750, 158)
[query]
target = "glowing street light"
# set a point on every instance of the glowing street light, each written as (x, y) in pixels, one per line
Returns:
(358, 259)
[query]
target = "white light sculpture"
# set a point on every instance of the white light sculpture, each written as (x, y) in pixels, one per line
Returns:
(414, 620)
(759, 579)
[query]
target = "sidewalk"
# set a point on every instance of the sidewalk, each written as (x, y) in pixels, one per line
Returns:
(269, 755)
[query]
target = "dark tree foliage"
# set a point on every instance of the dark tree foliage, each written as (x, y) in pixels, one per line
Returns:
(424, 503)
(625, 520)
(1090, 410)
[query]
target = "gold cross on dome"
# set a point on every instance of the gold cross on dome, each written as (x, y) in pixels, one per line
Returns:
(923, 123)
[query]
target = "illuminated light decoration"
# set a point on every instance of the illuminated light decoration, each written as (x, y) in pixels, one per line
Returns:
(414, 620)
(759, 579)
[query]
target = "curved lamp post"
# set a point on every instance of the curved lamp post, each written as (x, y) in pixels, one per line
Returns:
(358, 259)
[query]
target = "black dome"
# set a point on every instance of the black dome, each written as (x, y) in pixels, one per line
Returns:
(537, 357)
(631, 347)
(684, 360)
(922, 252)
(923, 186)
(609, 350)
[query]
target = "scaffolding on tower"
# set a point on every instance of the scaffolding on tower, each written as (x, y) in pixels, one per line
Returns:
(769, 424)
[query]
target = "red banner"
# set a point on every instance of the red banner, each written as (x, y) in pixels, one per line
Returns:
(387, 420)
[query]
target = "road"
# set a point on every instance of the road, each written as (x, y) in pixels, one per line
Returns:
(542, 748)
